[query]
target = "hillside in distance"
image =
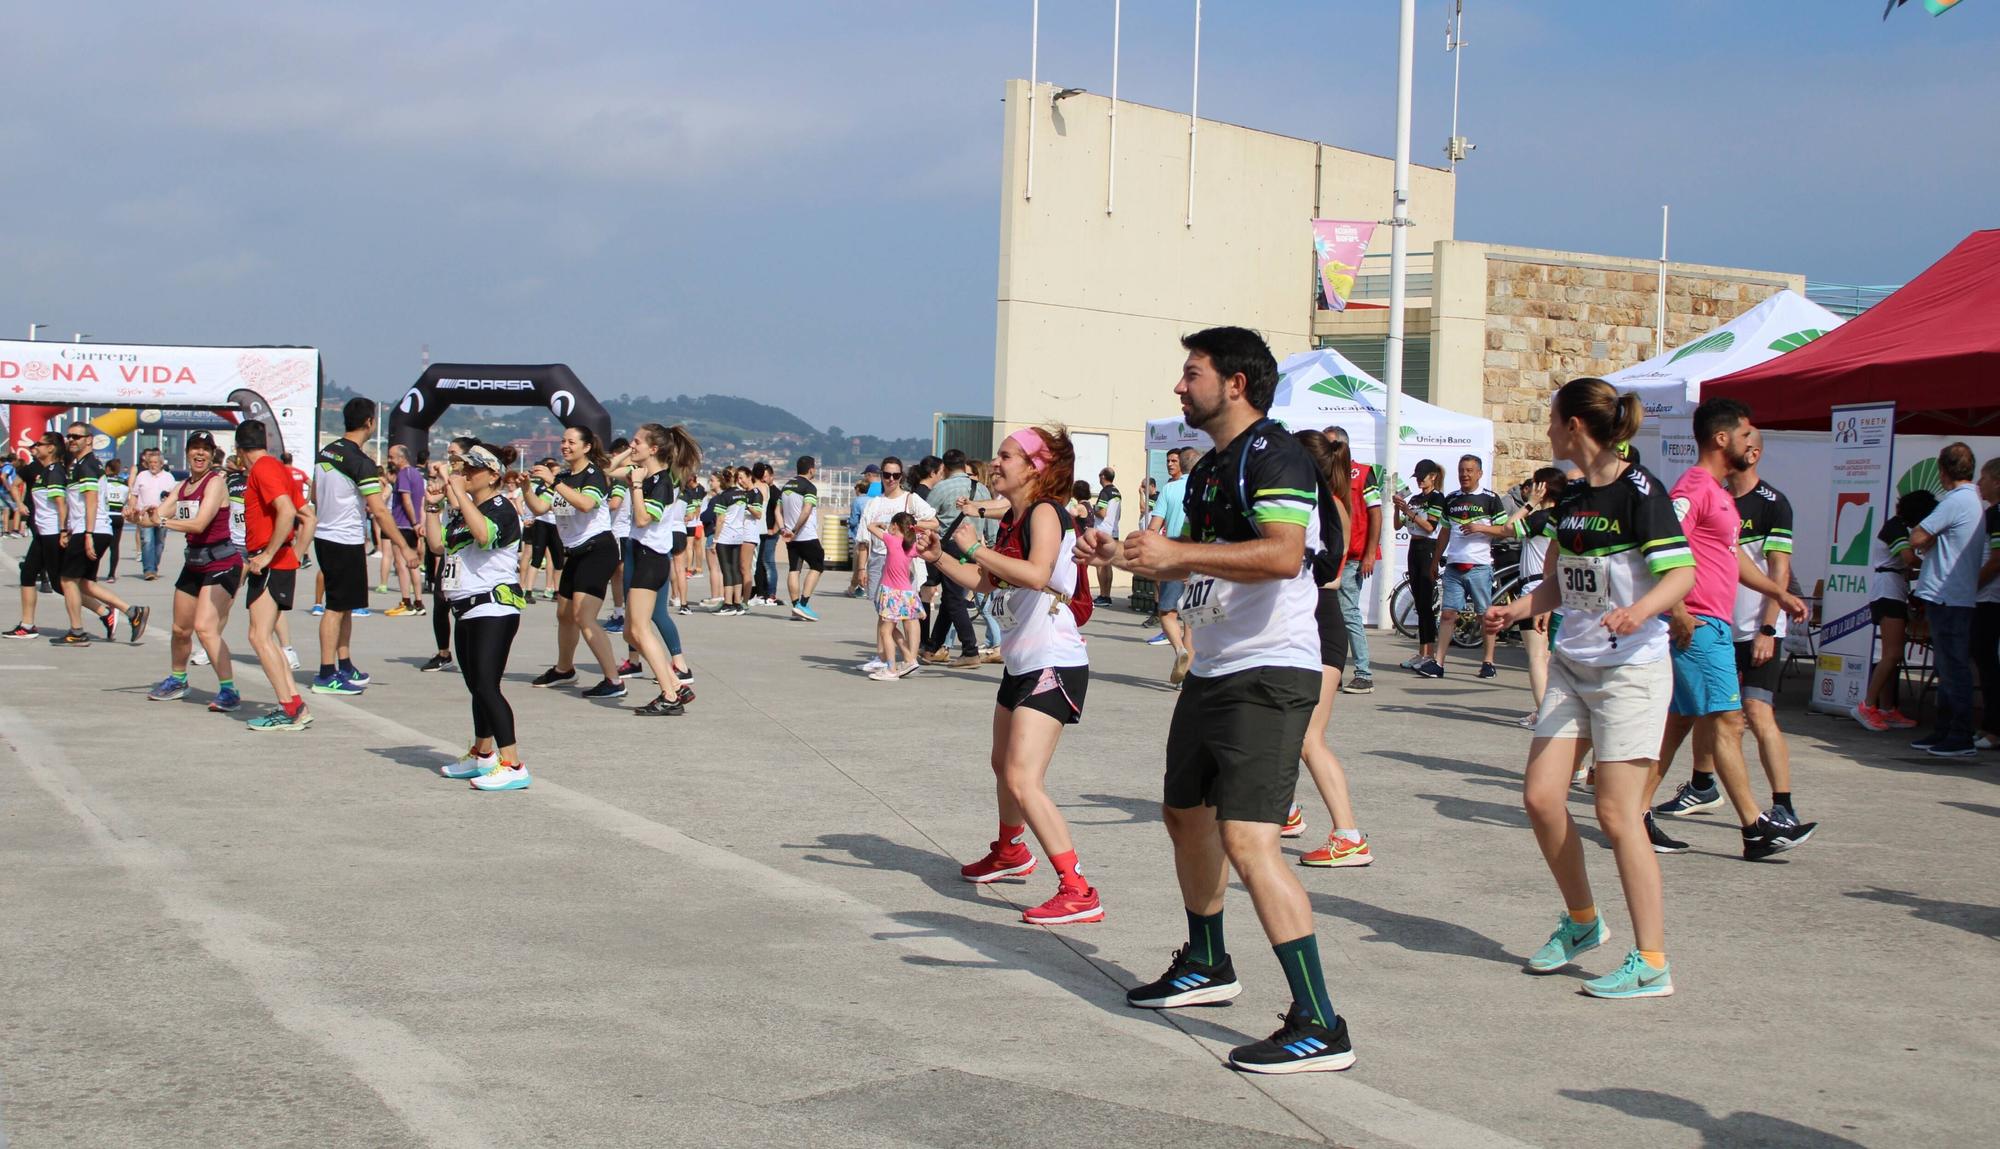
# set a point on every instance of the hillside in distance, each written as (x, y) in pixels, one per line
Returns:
(730, 428)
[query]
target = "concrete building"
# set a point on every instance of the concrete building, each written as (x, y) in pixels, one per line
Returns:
(1107, 259)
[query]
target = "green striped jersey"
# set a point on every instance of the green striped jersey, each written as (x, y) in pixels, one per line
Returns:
(1613, 542)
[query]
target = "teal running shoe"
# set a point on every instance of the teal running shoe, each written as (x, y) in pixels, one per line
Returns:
(333, 684)
(470, 765)
(170, 689)
(1633, 979)
(503, 777)
(1568, 941)
(277, 721)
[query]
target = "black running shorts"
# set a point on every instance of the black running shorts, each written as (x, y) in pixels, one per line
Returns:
(806, 554)
(1760, 683)
(649, 567)
(588, 567)
(190, 582)
(77, 564)
(1234, 742)
(345, 568)
(1057, 692)
(1332, 629)
(43, 562)
(279, 584)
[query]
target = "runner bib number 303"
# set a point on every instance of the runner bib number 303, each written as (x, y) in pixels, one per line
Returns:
(1586, 582)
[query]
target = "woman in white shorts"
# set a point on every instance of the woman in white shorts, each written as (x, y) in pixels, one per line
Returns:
(1618, 561)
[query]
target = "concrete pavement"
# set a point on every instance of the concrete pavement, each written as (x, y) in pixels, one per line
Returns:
(745, 924)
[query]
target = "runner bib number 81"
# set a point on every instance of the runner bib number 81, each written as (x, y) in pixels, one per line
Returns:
(1586, 582)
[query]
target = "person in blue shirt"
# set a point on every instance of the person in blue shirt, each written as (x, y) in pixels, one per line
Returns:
(1953, 546)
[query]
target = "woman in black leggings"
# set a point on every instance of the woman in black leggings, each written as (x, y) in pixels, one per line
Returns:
(1423, 517)
(434, 559)
(479, 537)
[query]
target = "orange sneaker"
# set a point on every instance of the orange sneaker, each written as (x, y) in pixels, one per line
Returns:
(1898, 720)
(1295, 824)
(1003, 860)
(1070, 906)
(1338, 853)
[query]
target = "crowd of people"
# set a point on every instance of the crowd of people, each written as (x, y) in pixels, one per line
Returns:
(1651, 615)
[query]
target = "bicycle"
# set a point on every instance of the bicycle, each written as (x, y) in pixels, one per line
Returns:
(1507, 582)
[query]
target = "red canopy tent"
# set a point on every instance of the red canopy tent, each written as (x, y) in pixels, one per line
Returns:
(1933, 347)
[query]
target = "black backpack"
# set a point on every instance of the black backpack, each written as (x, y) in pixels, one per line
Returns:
(1332, 553)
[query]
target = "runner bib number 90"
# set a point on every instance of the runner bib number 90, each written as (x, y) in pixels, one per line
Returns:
(1586, 582)
(183, 510)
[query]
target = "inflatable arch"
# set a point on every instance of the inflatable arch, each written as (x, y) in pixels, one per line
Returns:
(550, 385)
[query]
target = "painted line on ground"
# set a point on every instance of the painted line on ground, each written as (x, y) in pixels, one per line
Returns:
(429, 1090)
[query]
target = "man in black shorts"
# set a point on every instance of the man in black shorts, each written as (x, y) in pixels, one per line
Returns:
(42, 480)
(86, 540)
(1240, 722)
(798, 525)
(347, 492)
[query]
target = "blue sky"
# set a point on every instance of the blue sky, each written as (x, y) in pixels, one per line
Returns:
(798, 202)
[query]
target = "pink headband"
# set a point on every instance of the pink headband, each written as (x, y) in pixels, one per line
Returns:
(1033, 446)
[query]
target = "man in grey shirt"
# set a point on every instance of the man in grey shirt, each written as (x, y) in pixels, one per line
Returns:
(1953, 545)
(952, 612)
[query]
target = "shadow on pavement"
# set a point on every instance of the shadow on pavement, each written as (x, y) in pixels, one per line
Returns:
(1411, 931)
(425, 758)
(1483, 715)
(1452, 765)
(1136, 810)
(874, 852)
(1974, 808)
(1968, 916)
(1735, 1129)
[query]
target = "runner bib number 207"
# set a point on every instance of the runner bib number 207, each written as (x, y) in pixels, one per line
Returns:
(1201, 602)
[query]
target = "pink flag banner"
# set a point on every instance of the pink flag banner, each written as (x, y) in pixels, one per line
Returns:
(1338, 246)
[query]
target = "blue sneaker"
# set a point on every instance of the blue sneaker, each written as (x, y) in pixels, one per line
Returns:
(333, 684)
(1159, 639)
(801, 610)
(1633, 979)
(470, 765)
(225, 701)
(357, 676)
(362, 612)
(170, 689)
(1568, 941)
(318, 609)
(615, 624)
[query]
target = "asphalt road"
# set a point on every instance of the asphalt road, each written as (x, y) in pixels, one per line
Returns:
(745, 925)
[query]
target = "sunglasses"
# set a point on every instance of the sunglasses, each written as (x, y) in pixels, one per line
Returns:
(74, 436)
(892, 474)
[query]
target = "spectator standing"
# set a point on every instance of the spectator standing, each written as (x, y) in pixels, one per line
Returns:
(1986, 612)
(116, 489)
(1169, 518)
(1952, 543)
(406, 503)
(1105, 512)
(953, 611)
(152, 484)
(1423, 517)
(1364, 547)
(857, 542)
(1890, 561)
(1473, 518)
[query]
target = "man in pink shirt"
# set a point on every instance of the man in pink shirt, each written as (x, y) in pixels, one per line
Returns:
(1707, 698)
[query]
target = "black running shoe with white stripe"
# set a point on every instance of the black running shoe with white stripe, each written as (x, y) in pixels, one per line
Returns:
(1187, 982)
(1301, 1045)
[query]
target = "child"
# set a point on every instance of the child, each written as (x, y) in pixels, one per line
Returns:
(896, 604)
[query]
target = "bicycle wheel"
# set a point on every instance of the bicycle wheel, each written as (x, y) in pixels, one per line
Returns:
(1403, 609)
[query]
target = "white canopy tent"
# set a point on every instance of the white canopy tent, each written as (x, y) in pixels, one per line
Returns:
(1323, 388)
(1670, 383)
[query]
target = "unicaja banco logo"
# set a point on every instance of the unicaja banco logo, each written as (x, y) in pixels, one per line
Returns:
(1343, 387)
(1796, 340)
(1707, 345)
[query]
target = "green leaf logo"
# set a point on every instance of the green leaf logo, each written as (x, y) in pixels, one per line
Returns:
(1405, 431)
(1796, 340)
(1708, 345)
(1922, 476)
(1342, 387)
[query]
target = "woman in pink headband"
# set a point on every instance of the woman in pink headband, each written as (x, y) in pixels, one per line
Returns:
(1031, 572)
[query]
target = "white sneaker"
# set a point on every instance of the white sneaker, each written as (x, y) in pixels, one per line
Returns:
(504, 778)
(291, 658)
(872, 665)
(883, 674)
(199, 657)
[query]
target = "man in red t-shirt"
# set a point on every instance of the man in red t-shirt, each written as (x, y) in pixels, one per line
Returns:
(276, 519)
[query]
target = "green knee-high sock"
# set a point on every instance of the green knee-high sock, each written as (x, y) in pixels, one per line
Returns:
(1300, 957)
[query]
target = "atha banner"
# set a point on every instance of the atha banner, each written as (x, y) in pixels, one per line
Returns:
(1864, 441)
(1338, 246)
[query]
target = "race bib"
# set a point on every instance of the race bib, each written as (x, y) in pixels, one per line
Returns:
(1586, 582)
(564, 508)
(184, 510)
(1201, 602)
(448, 573)
(236, 515)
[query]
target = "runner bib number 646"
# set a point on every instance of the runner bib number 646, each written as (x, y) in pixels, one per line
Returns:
(1586, 582)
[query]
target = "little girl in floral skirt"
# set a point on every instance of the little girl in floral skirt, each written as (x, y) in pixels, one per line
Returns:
(896, 606)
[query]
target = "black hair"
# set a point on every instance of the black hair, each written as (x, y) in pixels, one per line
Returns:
(250, 435)
(285, 458)
(1718, 415)
(807, 463)
(1914, 507)
(1553, 480)
(954, 459)
(1239, 351)
(357, 412)
(761, 470)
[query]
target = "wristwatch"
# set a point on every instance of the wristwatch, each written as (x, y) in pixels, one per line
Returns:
(1768, 631)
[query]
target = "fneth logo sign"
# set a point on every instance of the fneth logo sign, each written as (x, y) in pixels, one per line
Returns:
(1855, 528)
(1847, 430)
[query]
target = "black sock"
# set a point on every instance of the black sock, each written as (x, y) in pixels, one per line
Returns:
(1205, 937)
(326, 670)
(1702, 780)
(1300, 957)
(1782, 798)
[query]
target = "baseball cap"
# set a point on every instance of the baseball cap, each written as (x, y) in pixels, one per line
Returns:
(871, 469)
(482, 458)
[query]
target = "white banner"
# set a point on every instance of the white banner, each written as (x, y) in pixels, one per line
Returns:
(1864, 447)
(279, 382)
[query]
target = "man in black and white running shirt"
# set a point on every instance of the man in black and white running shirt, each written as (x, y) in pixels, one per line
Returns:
(1238, 726)
(798, 524)
(86, 539)
(42, 480)
(347, 491)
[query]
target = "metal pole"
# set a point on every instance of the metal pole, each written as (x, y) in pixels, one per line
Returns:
(1034, 59)
(1194, 110)
(32, 328)
(1399, 227)
(1454, 40)
(1660, 313)
(1111, 164)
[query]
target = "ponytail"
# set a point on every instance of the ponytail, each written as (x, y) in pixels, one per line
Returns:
(1607, 417)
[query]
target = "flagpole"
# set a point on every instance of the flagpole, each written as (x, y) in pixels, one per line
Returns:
(1399, 227)
(1660, 310)
(1111, 163)
(1194, 110)
(1034, 58)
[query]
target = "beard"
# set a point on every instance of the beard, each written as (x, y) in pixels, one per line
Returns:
(1739, 463)
(1199, 416)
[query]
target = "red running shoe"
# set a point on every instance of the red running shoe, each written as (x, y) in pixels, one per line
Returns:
(1008, 860)
(1071, 905)
(1295, 823)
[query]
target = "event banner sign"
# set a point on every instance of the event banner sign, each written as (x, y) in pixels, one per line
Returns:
(279, 383)
(1338, 246)
(1864, 438)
